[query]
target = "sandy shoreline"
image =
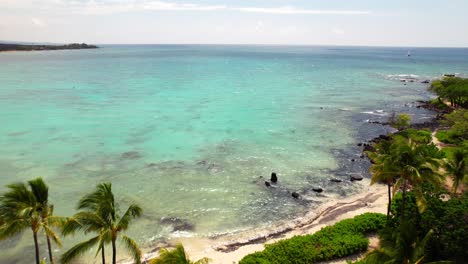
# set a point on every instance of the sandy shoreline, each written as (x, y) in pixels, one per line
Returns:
(233, 247)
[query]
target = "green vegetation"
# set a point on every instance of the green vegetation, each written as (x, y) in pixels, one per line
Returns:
(400, 121)
(26, 206)
(428, 224)
(458, 131)
(438, 234)
(418, 136)
(23, 47)
(452, 89)
(176, 256)
(342, 239)
(100, 215)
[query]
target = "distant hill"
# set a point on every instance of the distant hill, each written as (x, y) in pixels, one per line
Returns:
(27, 47)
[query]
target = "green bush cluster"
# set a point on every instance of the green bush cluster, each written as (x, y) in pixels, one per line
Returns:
(418, 136)
(453, 89)
(345, 238)
(448, 219)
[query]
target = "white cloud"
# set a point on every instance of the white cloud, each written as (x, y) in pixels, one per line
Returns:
(120, 6)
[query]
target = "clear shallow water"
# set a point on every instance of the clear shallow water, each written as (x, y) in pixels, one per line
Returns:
(186, 131)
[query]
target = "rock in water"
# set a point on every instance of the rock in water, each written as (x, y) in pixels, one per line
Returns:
(130, 155)
(274, 178)
(267, 184)
(295, 195)
(319, 190)
(356, 177)
(335, 180)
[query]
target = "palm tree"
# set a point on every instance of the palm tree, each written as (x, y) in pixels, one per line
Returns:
(383, 169)
(457, 168)
(100, 215)
(176, 256)
(46, 210)
(22, 207)
(18, 210)
(399, 246)
(415, 164)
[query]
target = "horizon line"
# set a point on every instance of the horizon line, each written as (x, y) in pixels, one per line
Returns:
(230, 44)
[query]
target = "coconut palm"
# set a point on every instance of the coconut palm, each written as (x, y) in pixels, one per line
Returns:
(100, 215)
(415, 164)
(457, 168)
(22, 208)
(383, 169)
(176, 256)
(399, 246)
(46, 210)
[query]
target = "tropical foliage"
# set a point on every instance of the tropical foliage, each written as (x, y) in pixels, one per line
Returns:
(176, 256)
(26, 206)
(452, 89)
(99, 214)
(345, 238)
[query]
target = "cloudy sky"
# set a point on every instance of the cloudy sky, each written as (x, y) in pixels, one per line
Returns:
(317, 22)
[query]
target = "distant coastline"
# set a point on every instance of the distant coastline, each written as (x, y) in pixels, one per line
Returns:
(26, 47)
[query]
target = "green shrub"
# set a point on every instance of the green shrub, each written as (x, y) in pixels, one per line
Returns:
(345, 238)
(419, 136)
(447, 219)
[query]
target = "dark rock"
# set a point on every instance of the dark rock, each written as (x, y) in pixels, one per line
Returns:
(362, 156)
(426, 81)
(335, 180)
(319, 190)
(368, 147)
(384, 137)
(267, 184)
(355, 177)
(359, 144)
(130, 155)
(353, 160)
(295, 195)
(274, 178)
(177, 223)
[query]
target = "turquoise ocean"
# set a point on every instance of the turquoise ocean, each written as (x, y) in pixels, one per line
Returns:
(191, 132)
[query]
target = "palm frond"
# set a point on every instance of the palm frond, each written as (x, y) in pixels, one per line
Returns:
(12, 228)
(40, 190)
(132, 248)
(133, 211)
(105, 237)
(51, 233)
(71, 226)
(78, 250)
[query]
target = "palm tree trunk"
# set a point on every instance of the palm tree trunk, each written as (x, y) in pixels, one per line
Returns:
(114, 252)
(389, 200)
(36, 247)
(51, 257)
(403, 198)
(103, 255)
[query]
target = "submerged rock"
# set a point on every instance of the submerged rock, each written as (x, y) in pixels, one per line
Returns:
(319, 190)
(296, 195)
(267, 184)
(335, 180)
(355, 177)
(177, 223)
(131, 155)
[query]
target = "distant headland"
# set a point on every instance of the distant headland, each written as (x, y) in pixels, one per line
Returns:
(27, 47)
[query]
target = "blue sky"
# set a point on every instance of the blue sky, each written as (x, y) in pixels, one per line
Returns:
(332, 22)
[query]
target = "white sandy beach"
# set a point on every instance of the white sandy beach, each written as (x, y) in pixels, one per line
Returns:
(229, 249)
